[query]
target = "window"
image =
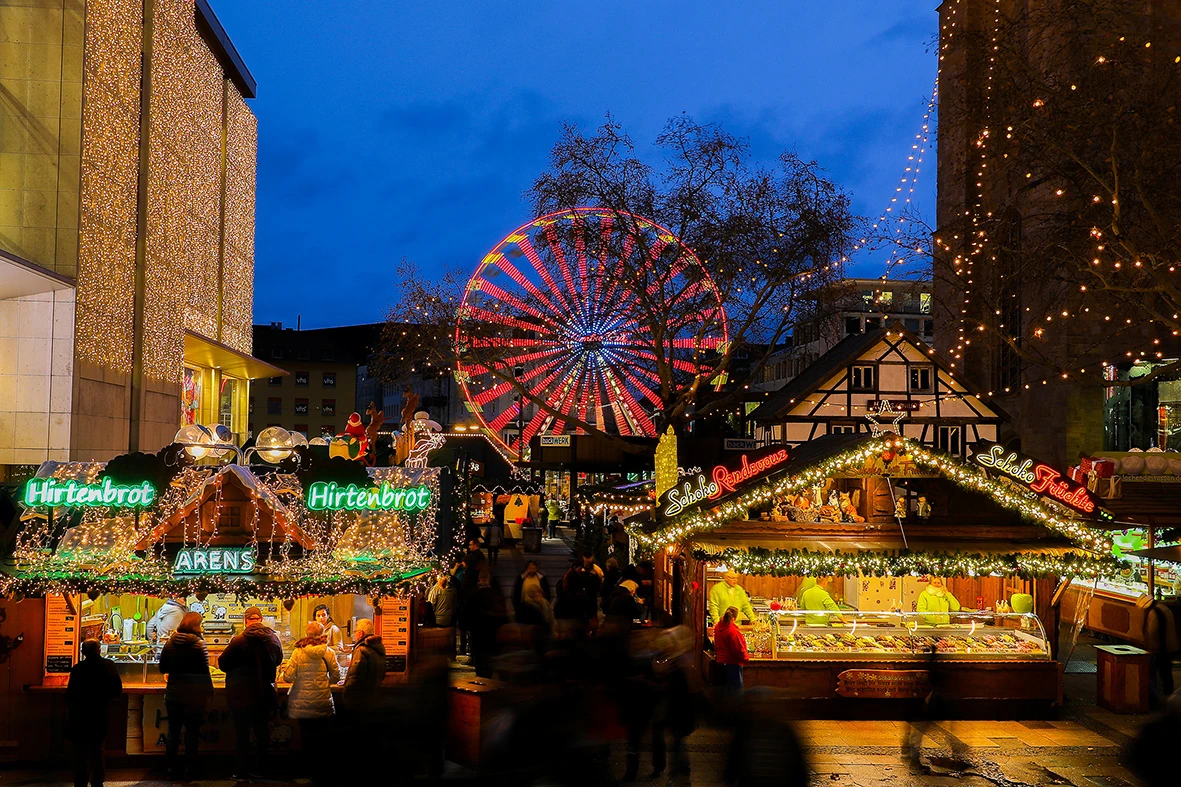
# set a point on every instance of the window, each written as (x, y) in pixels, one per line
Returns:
(842, 429)
(275, 382)
(302, 429)
(948, 439)
(304, 355)
(867, 296)
(328, 407)
(910, 323)
(928, 327)
(777, 433)
(328, 356)
(862, 378)
(274, 405)
(925, 302)
(328, 380)
(920, 379)
(301, 379)
(886, 299)
(276, 352)
(872, 323)
(301, 406)
(852, 325)
(229, 519)
(327, 431)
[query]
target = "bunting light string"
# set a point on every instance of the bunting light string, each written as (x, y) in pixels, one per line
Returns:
(1023, 502)
(759, 561)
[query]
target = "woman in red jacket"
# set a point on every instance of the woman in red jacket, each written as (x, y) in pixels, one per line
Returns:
(730, 650)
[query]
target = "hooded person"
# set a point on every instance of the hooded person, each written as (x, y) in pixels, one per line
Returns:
(728, 593)
(935, 602)
(165, 621)
(622, 603)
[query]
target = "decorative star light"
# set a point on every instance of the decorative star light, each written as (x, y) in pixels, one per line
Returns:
(885, 409)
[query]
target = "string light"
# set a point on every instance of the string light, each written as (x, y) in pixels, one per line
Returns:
(1019, 500)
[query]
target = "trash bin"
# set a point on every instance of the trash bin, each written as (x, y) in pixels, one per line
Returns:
(531, 539)
(1123, 675)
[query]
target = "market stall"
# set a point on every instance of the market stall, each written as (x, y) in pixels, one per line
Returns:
(121, 550)
(865, 568)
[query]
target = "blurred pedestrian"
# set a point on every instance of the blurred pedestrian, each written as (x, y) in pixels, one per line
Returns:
(611, 577)
(362, 698)
(619, 539)
(529, 578)
(766, 750)
(94, 682)
(473, 562)
(730, 652)
(250, 662)
(1151, 755)
(185, 661)
(442, 598)
(493, 536)
(312, 671)
(683, 698)
(543, 520)
(1160, 640)
(484, 612)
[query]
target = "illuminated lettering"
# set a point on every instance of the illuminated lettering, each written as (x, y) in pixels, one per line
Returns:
(71, 494)
(689, 494)
(1038, 476)
(327, 496)
(214, 560)
(727, 480)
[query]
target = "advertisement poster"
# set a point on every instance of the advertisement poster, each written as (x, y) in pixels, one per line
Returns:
(395, 633)
(61, 636)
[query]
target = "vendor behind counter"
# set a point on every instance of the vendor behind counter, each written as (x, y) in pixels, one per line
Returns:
(728, 593)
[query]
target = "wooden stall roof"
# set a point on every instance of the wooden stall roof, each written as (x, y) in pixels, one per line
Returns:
(241, 477)
(1145, 503)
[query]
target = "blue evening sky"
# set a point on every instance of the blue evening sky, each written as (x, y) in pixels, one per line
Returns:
(390, 128)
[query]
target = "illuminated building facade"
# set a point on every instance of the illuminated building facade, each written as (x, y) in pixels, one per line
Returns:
(127, 188)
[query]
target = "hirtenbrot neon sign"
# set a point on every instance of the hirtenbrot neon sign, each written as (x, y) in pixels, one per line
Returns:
(327, 496)
(1038, 476)
(71, 494)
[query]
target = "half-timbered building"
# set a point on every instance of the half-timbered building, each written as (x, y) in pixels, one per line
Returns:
(860, 375)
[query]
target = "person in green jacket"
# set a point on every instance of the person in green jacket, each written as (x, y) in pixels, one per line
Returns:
(728, 593)
(813, 597)
(937, 600)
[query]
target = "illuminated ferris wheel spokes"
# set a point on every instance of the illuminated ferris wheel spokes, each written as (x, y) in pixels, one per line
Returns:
(562, 309)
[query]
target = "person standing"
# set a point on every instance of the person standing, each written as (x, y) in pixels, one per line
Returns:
(728, 593)
(814, 597)
(473, 563)
(161, 625)
(543, 516)
(312, 671)
(1161, 642)
(332, 633)
(362, 703)
(619, 539)
(185, 661)
(250, 662)
(555, 515)
(94, 682)
(441, 597)
(493, 536)
(485, 613)
(730, 652)
(529, 578)
(936, 601)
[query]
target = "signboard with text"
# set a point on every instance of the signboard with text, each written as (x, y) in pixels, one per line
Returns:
(555, 441)
(691, 491)
(1037, 476)
(394, 629)
(61, 637)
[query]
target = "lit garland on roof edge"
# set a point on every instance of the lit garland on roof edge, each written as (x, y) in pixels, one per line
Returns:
(1023, 502)
(759, 561)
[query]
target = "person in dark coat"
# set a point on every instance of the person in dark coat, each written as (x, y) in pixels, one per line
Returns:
(473, 561)
(575, 599)
(93, 683)
(367, 669)
(530, 576)
(611, 578)
(185, 661)
(623, 605)
(485, 613)
(250, 662)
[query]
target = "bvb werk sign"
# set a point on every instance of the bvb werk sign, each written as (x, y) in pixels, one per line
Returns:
(691, 491)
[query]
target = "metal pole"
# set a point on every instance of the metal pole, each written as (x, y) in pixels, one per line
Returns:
(1151, 562)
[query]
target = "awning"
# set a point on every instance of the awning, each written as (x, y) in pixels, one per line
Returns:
(211, 354)
(19, 278)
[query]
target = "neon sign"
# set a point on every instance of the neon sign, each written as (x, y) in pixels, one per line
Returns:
(71, 494)
(693, 490)
(727, 479)
(1038, 476)
(215, 560)
(327, 496)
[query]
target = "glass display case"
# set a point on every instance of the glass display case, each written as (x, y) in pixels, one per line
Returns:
(885, 636)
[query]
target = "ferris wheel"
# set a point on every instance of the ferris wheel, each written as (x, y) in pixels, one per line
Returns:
(582, 309)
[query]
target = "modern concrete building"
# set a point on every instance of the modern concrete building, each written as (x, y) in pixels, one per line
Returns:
(127, 187)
